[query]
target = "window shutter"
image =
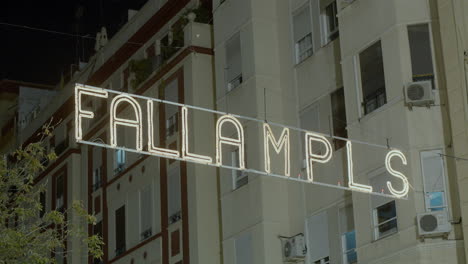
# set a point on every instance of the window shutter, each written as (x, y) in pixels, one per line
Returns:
(233, 58)
(420, 48)
(174, 190)
(310, 119)
(243, 246)
(318, 243)
(120, 227)
(302, 24)
(379, 184)
(146, 208)
(433, 171)
(325, 3)
(346, 219)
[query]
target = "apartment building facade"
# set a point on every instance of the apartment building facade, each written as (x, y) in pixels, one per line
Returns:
(340, 68)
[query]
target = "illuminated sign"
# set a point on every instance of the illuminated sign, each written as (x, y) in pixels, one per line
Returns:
(235, 139)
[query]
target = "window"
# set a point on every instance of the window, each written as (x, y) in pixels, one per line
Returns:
(97, 230)
(372, 78)
(244, 251)
(325, 260)
(385, 220)
(433, 169)
(172, 125)
(59, 255)
(119, 161)
(174, 193)
(150, 51)
(125, 76)
(97, 178)
(120, 231)
(146, 212)
(339, 117)
(171, 93)
(348, 235)
(330, 21)
(310, 120)
(383, 209)
(421, 52)
(302, 34)
(60, 192)
(233, 62)
(317, 239)
(42, 201)
(239, 178)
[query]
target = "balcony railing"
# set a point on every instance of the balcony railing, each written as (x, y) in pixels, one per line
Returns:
(375, 100)
(234, 82)
(146, 234)
(119, 250)
(175, 217)
(61, 147)
(119, 168)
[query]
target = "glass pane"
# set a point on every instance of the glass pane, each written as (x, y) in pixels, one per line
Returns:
(388, 228)
(350, 239)
(436, 199)
(302, 24)
(421, 55)
(386, 212)
(372, 77)
(351, 257)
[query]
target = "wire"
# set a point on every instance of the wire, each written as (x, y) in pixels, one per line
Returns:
(72, 35)
(453, 157)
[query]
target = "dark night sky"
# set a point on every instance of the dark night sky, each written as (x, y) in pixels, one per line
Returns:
(35, 56)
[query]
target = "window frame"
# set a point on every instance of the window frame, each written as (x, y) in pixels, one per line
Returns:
(328, 35)
(237, 175)
(119, 166)
(433, 54)
(143, 233)
(120, 249)
(238, 80)
(296, 54)
(376, 224)
(344, 251)
(337, 143)
(358, 74)
(343, 233)
(427, 206)
(314, 108)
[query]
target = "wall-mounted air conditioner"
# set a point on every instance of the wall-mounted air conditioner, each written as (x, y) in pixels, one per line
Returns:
(294, 249)
(419, 93)
(433, 224)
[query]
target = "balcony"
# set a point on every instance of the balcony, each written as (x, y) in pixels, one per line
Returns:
(120, 167)
(175, 217)
(119, 250)
(61, 147)
(146, 234)
(375, 100)
(194, 31)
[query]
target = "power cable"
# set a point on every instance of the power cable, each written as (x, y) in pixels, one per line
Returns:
(70, 34)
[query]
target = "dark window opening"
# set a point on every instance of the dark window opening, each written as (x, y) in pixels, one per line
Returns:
(421, 53)
(372, 78)
(339, 117)
(120, 230)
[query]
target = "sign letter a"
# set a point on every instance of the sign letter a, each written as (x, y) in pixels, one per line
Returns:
(114, 120)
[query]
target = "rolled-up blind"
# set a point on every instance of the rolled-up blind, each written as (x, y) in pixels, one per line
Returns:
(302, 24)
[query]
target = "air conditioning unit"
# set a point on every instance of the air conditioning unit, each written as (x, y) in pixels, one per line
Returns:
(294, 249)
(419, 93)
(433, 224)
